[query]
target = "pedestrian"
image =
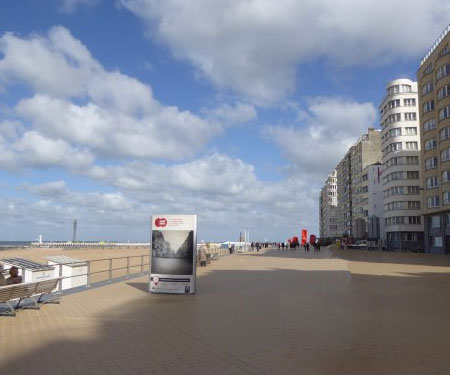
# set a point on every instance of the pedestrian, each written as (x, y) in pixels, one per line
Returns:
(279, 246)
(318, 245)
(229, 247)
(307, 246)
(253, 246)
(202, 254)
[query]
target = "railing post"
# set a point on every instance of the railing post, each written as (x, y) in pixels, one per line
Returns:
(60, 278)
(128, 266)
(110, 269)
(88, 274)
(142, 264)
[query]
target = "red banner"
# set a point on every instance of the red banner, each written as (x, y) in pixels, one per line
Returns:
(304, 236)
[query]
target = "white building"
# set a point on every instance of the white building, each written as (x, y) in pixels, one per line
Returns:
(328, 208)
(400, 145)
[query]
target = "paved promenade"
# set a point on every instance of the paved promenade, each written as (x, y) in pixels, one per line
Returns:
(277, 312)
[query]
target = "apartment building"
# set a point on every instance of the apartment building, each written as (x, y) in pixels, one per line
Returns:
(352, 208)
(434, 113)
(365, 152)
(328, 208)
(344, 195)
(372, 200)
(400, 144)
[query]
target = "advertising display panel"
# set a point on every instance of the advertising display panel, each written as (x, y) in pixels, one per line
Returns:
(173, 254)
(304, 236)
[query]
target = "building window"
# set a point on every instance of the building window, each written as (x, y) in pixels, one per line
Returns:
(395, 220)
(430, 144)
(444, 51)
(410, 116)
(394, 118)
(437, 241)
(433, 201)
(412, 160)
(409, 236)
(435, 221)
(443, 92)
(432, 182)
(431, 163)
(444, 112)
(411, 146)
(413, 205)
(427, 88)
(428, 106)
(395, 132)
(443, 71)
(410, 102)
(412, 175)
(414, 220)
(429, 125)
(446, 176)
(394, 104)
(446, 197)
(411, 131)
(445, 133)
(428, 69)
(447, 220)
(413, 190)
(445, 155)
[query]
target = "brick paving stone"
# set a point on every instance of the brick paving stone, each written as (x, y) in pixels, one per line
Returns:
(275, 312)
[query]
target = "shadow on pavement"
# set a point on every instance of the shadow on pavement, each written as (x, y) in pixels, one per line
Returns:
(254, 322)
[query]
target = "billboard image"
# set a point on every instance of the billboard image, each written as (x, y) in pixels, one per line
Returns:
(173, 253)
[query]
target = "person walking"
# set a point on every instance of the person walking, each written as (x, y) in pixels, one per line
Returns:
(307, 246)
(202, 255)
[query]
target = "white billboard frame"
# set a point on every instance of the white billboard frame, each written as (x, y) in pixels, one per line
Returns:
(172, 229)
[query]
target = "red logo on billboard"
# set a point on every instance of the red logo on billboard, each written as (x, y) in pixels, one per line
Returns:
(160, 222)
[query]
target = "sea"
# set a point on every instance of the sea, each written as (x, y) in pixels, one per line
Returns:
(8, 244)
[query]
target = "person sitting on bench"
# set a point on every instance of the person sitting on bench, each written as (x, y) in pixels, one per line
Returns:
(14, 277)
(2, 278)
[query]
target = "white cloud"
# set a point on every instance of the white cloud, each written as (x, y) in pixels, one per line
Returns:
(230, 115)
(21, 149)
(328, 128)
(254, 47)
(78, 103)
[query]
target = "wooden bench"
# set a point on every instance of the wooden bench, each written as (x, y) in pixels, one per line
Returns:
(33, 291)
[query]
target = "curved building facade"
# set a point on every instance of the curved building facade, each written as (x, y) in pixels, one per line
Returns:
(400, 145)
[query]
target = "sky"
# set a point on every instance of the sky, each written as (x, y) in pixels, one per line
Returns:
(235, 110)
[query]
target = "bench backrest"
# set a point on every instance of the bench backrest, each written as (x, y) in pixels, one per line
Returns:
(25, 290)
(46, 286)
(6, 293)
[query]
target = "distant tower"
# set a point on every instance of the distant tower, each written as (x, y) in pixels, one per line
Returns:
(74, 237)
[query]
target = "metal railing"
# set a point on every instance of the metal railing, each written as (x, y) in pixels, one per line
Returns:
(114, 265)
(111, 270)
